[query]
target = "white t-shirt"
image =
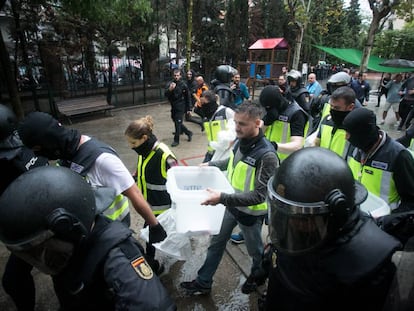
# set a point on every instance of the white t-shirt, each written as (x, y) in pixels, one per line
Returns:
(110, 171)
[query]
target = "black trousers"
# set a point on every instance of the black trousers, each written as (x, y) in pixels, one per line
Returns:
(179, 127)
(403, 110)
(18, 283)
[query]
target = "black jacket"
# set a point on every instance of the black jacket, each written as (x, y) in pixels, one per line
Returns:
(109, 272)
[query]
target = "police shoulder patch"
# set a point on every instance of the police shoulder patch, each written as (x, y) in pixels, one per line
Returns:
(142, 268)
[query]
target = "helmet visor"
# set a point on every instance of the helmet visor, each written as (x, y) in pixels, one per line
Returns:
(296, 227)
(51, 256)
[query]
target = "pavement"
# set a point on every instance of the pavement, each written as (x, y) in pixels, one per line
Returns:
(235, 265)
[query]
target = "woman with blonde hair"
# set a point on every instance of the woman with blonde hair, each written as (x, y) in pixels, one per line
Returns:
(154, 159)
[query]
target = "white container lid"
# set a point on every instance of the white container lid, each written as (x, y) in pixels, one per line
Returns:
(190, 182)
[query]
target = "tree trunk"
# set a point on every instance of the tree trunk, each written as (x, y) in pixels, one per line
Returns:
(298, 47)
(10, 79)
(373, 28)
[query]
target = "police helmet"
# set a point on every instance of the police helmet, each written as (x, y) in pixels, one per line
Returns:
(8, 122)
(312, 197)
(294, 75)
(337, 80)
(46, 202)
(224, 73)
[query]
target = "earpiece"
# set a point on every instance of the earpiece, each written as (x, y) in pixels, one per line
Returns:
(66, 225)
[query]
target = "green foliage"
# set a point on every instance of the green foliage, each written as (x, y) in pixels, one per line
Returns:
(395, 43)
(405, 10)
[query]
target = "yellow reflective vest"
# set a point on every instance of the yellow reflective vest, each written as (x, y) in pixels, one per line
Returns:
(279, 130)
(242, 174)
(376, 174)
(152, 176)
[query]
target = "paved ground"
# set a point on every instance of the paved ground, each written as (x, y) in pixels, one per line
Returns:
(226, 294)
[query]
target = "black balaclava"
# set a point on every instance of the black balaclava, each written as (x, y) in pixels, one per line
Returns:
(145, 148)
(56, 141)
(338, 117)
(361, 125)
(274, 103)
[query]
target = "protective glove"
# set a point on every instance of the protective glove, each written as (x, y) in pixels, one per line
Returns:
(156, 234)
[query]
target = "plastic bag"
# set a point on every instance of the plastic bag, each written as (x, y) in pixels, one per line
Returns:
(176, 244)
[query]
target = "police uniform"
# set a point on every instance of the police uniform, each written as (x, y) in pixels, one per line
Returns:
(111, 273)
(352, 274)
(15, 159)
(333, 138)
(291, 121)
(217, 123)
(387, 172)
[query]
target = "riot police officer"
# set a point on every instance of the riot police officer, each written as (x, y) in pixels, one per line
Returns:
(15, 159)
(328, 255)
(299, 93)
(95, 263)
(221, 85)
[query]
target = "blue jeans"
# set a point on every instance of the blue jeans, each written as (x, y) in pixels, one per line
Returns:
(253, 241)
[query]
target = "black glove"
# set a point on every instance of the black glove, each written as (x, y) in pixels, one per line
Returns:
(156, 233)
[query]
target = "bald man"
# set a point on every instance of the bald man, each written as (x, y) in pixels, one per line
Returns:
(313, 86)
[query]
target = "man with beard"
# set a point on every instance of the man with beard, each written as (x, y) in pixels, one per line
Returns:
(331, 134)
(252, 162)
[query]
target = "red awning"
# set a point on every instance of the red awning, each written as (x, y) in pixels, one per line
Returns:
(269, 44)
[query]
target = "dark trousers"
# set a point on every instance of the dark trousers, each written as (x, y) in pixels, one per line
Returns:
(180, 128)
(18, 283)
(403, 110)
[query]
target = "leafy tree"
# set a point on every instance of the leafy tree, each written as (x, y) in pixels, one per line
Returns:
(112, 21)
(299, 18)
(381, 10)
(395, 43)
(405, 10)
(236, 29)
(325, 26)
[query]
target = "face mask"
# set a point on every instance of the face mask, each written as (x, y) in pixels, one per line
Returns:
(50, 257)
(364, 142)
(338, 116)
(145, 148)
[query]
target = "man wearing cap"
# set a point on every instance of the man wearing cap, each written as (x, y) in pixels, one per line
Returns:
(380, 163)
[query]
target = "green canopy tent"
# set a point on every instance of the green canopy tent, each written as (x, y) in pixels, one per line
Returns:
(354, 57)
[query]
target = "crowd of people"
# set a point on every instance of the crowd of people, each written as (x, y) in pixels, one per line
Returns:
(72, 221)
